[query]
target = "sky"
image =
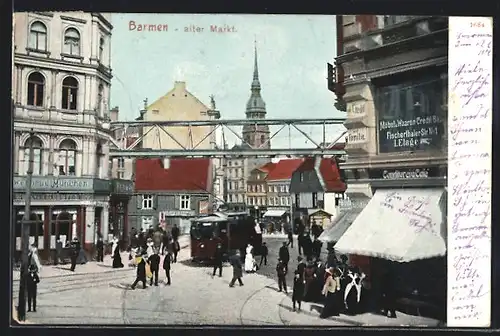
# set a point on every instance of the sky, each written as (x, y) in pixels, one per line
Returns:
(293, 51)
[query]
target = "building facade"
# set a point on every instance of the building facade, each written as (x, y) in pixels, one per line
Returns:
(61, 83)
(391, 76)
(257, 190)
(170, 191)
(279, 200)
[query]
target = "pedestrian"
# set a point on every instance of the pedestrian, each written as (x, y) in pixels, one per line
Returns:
(117, 258)
(330, 290)
(32, 284)
(141, 270)
(154, 265)
(165, 242)
(281, 271)
(353, 291)
(301, 267)
(141, 240)
(100, 250)
(219, 254)
(175, 232)
(166, 266)
(75, 251)
(176, 248)
(298, 289)
(58, 254)
(290, 238)
(300, 243)
(388, 296)
(284, 255)
(237, 269)
(317, 245)
(264, 253)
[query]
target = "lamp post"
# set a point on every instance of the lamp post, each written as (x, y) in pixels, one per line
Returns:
(21, 308)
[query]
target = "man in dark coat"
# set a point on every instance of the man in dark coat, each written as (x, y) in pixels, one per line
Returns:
(141, 240)
(317, 245)
(154, 264)
(298, 289)
(301, 267)
(58, 255)
(175, 249)
(175, 232)
(281, 270)
(284, 255)
(290, 237)
(141, 271)
(166, 266)
(32, 285)
(165, 242)
(75, 251)
(237, 269)
(100, 250)
(219, 254)
(264, 251)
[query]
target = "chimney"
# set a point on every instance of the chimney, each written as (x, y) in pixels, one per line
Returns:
(166, 163)
(114, 113)
(179, 86)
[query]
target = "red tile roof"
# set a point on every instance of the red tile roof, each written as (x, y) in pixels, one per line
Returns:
(283, 169)
(329, 173)
(267, 167)
(181, 175)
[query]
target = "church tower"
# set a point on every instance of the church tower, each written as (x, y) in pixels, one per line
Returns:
(256, 135)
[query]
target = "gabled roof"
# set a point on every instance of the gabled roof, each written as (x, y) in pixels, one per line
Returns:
(327, 170)
(181, 175)
(267, 167)
(283, 169)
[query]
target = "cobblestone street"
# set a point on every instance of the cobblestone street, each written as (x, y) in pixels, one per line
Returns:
(193, 298)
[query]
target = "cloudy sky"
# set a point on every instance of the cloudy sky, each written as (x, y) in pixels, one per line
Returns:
(292, 52)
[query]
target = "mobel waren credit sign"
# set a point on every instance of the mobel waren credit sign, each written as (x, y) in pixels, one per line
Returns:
(419, 133)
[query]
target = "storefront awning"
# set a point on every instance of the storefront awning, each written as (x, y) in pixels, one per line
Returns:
(274, 213)
(312, 212)
(339, 226)
(398, 224)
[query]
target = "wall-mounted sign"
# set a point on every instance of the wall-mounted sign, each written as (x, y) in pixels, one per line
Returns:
(54, 197)
(356, 109)
(401, 135)
(62, 183)
(357, 136)
(406, 173)
(177, 213)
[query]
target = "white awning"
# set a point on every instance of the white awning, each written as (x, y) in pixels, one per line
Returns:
(398, 224)
(274, 213)
(339, 226)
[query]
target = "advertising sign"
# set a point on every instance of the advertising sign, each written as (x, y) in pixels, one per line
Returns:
(405, 173)
(419, 133)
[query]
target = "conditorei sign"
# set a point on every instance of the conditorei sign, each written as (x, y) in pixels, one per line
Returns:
(401, 135)
(405, 173)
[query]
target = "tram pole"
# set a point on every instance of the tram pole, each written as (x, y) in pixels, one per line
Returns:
(25, 237)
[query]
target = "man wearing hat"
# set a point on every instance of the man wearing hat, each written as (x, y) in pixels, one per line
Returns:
(75, 251)
(141, 270)
(154, 264)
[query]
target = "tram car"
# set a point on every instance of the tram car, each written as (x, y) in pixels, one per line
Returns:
(233, 230)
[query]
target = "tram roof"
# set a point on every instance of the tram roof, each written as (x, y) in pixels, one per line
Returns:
(210, 219)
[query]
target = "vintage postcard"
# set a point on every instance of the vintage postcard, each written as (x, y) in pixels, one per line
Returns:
(251, 170)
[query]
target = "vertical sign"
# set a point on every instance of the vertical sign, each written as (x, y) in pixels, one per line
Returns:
(469, 171)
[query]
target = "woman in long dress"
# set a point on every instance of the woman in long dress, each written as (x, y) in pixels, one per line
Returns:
(249, 260)
(330, 290)
(117, 259)
(353, 291)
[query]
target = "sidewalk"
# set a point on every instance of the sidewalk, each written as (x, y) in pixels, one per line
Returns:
(50, 271)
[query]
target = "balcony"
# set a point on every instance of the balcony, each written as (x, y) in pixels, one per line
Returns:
(63, 184)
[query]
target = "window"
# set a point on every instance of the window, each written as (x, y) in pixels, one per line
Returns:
(262, 139)
(282, 201)
(147, 202)
(38, 36)
(69, 93)
(276, 201)
(36, 85)
(297, 200)
(270, 188)
(72, 42)
(147, 222)
(100, 95)
(101, 48)
(301, 177)
(314, 200)
(67, 157)
(121, 168)
(185, 202)
(271, 201)
(37, 155)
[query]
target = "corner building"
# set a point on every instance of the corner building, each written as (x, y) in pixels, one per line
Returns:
(61, 84)
(390, 76)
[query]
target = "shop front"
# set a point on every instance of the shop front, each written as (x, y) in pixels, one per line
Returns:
(402, 231)
(121, 193)
(181, 218)
(61, 208)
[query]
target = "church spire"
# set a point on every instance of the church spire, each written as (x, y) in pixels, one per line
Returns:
(255, 82)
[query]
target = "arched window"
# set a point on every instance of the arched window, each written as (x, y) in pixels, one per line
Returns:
(100, 96)
(262, 139)
(101, 48)
(36, 86)
(69, 93)
(37, 155)
(72, 42)
(67, 157)
(38, 36)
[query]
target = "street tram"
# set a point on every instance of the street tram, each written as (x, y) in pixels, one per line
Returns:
(233, 230)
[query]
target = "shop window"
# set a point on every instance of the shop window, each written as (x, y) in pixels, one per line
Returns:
(72, 42)
(147, 202)
(38, 36)
(67, 157)
(69, 93)
(36, 88)
(63, 227)
(185, 202)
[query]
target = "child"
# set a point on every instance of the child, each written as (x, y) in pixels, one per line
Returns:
(298, 289)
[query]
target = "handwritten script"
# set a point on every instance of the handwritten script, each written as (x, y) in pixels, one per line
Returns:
(469, 171)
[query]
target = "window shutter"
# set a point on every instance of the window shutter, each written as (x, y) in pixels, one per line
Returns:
(139, 201)
(155, 201)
